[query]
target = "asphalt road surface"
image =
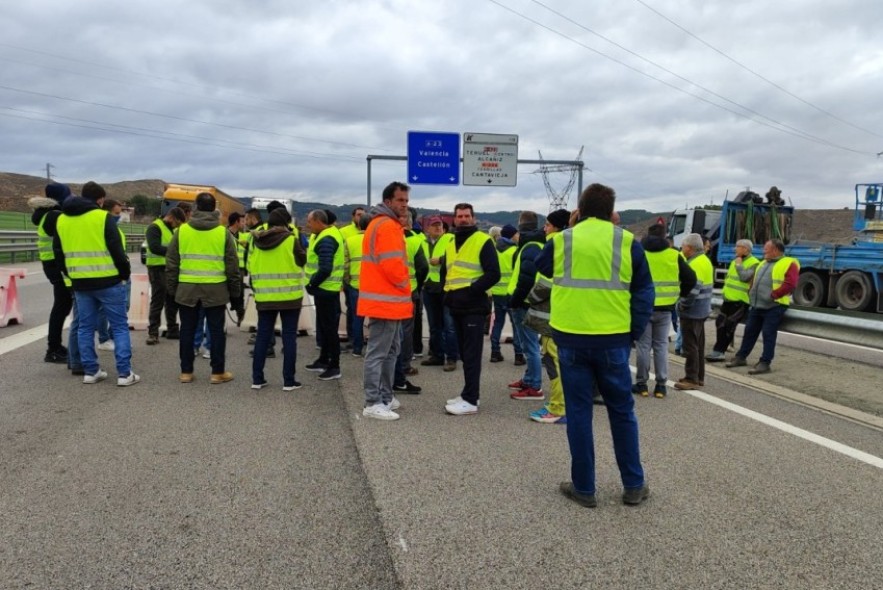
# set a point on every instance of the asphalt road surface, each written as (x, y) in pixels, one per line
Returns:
(756, 483)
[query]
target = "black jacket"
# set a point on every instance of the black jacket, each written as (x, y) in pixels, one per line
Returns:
(527, 274)
(474, 300)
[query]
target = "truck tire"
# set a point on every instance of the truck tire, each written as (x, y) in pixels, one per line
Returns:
(811, 291)
(854, 291)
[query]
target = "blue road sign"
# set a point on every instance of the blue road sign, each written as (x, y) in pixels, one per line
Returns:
(433, 157)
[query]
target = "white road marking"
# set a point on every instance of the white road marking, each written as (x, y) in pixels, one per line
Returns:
(10, 343)
(785, 427)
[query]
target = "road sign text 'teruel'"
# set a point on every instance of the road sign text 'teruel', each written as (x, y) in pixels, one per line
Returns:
(490, 159)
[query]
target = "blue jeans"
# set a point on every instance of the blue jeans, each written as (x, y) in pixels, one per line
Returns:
(766, 322)
(356, 330)
(501, 309)
(202, 338)
(580, 369)
(266, 327)
(74, 362)
(530, 347)
(103, 325)
(113, 300)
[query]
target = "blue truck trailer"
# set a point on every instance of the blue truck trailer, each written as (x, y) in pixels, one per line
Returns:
(848, 276)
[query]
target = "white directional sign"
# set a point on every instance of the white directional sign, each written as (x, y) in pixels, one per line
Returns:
(490, 159)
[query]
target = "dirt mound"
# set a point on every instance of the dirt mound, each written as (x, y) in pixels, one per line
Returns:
(15, 189)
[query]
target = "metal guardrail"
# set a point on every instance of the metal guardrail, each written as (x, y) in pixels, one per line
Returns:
(828, 324)
(24, 243)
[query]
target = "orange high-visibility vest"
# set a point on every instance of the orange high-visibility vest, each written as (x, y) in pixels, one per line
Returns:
(384, 286)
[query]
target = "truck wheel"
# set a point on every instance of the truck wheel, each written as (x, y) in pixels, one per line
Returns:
(811, 290)
(854, 291)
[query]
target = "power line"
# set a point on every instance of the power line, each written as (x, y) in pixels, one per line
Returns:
(180, 138)
(174, 117)
(781, 127)
(751, 71)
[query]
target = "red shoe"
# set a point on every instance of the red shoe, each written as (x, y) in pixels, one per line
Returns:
(528, 393)
(517, 384)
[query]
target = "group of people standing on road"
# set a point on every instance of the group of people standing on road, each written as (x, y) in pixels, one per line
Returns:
(580, 291)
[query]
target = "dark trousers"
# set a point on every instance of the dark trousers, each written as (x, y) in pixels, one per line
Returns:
(765, 321)
(160, 299)
(215, 320)
(62, 304)
(417, 298)
(693, 348)
(435, 317)
(266, 329)
(327, 319)
(731, 313)
(470, 339)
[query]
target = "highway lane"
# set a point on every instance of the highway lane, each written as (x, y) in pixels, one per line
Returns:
(165, 485)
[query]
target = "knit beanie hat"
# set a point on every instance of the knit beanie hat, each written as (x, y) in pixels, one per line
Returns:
(508, 231)
(278, 217)
(559, 218)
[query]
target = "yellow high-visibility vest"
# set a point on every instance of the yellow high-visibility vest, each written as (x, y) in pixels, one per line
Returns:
(165, 238)
(85, 251)
(736, 289)
(202, 255)
(335, 280)
(505, 258)
(463, 266)
(275, 276)
(666, 276)
(592, 275)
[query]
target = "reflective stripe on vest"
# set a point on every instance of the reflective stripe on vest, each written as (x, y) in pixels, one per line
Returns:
(437, 251)
(202, 255)
(334, 281)
(275, 276)
(464, 265)
(780, 269)
(44, 242)
(165, 236)
(354, 253)
(516, 269)
(505, 258)
(375, 287)
(412, 246)
(701, 265)
(592, 275)
(85, 251)
(666, 276)
(734, 288)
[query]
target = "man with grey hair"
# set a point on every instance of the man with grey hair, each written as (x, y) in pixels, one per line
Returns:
(693, 311)
(770, 295)
(735, 294)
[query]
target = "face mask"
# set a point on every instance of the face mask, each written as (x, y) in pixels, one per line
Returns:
(116, 218)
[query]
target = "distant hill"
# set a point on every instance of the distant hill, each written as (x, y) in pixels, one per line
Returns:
(16, 189)
(823, 225)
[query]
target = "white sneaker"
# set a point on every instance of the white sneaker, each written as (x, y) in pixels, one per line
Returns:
(379, 412)
(458, 399)
(461, 408)
(132, 379)
(99, 376)
(106, 345)
(395, 404)
(207, 354)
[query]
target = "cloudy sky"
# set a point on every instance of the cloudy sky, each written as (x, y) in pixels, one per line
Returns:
(676, 102)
